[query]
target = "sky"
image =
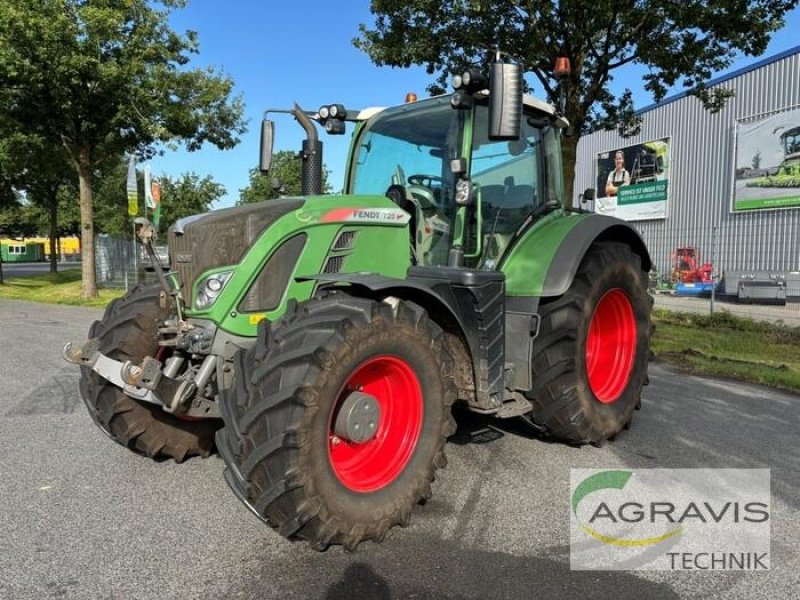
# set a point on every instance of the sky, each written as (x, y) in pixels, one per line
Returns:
(278, 53)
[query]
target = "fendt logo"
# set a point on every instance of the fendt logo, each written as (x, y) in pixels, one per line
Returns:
(670, 519)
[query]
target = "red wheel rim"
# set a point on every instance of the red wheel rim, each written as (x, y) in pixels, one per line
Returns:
(369, 466)
(611, 346)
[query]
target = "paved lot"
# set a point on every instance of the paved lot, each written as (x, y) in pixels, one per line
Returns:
(788, 314)
(81, 517)
(11, 270)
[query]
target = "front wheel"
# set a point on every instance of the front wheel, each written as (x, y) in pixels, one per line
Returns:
(338, 418)
(590, 357)
(129, 331)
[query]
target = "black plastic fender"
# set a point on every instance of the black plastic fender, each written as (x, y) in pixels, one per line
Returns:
(568, 257)
(466, 302)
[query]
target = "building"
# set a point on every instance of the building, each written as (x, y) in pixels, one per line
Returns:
(726, 183)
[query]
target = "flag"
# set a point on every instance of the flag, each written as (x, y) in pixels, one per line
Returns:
(131, 187)
(155, 193)
(148, 192)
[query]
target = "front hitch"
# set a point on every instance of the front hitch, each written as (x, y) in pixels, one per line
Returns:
(149, 381)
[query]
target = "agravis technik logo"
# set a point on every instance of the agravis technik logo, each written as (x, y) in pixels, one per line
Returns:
(716, 519)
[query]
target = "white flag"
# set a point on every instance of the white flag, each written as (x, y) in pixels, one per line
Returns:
(148, 191)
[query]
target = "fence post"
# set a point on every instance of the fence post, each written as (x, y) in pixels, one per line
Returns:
(713, 267)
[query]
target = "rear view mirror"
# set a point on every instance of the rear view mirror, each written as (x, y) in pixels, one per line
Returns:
(505, 101)
(265, 160)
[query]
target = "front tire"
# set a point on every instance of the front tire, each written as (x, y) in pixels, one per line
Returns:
(128, 331)
(283, 456)
(590, 357)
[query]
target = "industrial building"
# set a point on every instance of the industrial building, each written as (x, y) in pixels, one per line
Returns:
(726, 184)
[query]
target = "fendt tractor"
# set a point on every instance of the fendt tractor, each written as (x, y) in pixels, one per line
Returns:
(320, 342)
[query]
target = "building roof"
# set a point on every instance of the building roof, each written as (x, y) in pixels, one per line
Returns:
(723, 78)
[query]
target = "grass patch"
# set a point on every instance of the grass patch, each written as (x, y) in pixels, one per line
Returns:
(729, 346)
(63, 287)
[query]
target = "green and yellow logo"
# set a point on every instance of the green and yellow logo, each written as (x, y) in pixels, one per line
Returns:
(613, 480)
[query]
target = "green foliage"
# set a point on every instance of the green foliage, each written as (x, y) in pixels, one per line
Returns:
(680, 43)
(106, 78)
(286, 169)
(110, 77)
(187, 195)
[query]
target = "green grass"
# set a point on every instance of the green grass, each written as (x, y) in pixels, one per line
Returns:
(728, 346)
(63, 287)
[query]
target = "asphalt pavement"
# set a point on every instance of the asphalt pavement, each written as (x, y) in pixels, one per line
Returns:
(81, 517)
(11, 270)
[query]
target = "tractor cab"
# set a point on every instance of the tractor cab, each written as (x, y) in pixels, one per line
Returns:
(419, 155)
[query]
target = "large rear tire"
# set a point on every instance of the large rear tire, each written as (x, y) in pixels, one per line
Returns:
(127, 331)
(590, 357)
(284, 456)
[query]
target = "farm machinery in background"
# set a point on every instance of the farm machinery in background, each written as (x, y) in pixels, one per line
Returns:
(688, 277)
(787, 174)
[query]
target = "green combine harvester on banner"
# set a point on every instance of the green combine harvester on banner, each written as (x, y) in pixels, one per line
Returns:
(320, 342)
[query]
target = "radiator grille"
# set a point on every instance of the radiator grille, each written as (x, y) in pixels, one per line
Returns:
(334, 264)
(345, 240)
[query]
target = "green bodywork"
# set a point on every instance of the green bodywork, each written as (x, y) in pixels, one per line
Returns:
(379, 248)
(529, 260)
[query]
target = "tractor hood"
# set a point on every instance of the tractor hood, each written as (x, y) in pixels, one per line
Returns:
(221, 237)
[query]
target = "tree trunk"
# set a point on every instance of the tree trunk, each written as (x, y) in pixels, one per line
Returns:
(569, 154)
(52, 206)
(89, 279)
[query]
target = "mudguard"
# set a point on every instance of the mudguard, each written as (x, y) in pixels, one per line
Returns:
(546, 257)
(465, 302)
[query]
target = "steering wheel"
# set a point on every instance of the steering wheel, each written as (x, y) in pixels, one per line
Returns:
(425, 180)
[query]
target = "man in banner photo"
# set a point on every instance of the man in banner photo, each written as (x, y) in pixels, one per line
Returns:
(633, 181)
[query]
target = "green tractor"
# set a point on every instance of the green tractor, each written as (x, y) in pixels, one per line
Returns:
(319, 343)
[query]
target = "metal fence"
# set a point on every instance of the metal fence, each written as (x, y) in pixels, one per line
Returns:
(710, 269)
(119, 263)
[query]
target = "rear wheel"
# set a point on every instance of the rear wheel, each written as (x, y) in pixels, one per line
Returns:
(128, 331)
(337, 419)
(590, 357)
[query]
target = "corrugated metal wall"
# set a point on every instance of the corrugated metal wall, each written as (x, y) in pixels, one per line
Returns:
(702, 169)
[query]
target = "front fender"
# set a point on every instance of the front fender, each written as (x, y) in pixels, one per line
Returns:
(545, 259)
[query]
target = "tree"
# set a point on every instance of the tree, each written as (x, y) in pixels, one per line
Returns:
(757, 160)
(187, 195)
(286, 171)
(108, 78)
(678, 42)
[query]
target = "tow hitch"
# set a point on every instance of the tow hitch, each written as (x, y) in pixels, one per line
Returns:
(150, 381)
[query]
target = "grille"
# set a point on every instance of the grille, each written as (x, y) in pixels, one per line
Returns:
(334, 264)
(345, 240)
(222, 237)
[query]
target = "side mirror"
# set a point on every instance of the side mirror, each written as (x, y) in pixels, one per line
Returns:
(588, 195)
(505, 101)
(265, 159)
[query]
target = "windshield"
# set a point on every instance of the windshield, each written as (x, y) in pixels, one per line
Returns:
(412, 146)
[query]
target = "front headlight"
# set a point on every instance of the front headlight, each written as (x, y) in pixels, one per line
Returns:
(209, 289)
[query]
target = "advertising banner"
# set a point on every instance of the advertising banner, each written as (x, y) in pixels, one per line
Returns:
(767, 162)
(633, 181)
